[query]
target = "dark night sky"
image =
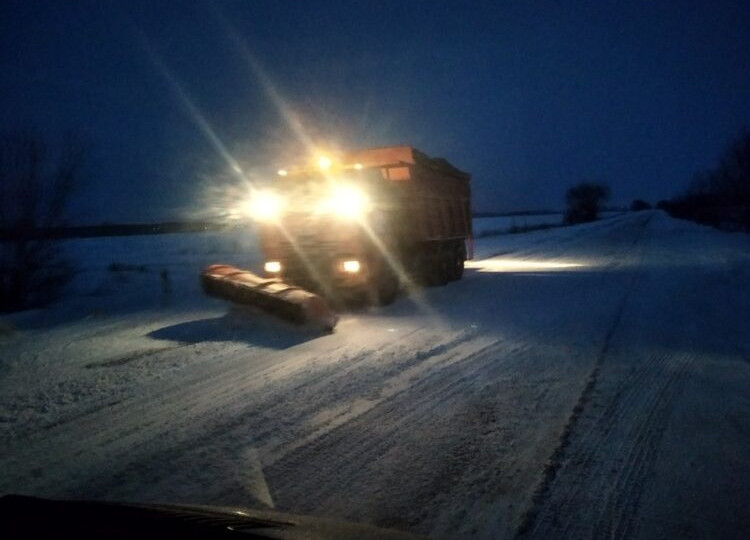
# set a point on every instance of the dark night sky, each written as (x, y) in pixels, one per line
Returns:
(529, 97)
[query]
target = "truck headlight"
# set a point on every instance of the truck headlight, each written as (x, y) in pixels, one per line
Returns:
(272, 267)
(348, 201)
(324, 162)
(264, 206)
(350, 267)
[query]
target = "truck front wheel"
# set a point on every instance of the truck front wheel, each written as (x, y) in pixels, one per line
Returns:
(387, 287)
(383, 286)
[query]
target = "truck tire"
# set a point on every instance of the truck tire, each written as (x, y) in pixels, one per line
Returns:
(442, 267)
(387, 287)
(384, 286)
(435, 264)
(457, 263)
(420, 266)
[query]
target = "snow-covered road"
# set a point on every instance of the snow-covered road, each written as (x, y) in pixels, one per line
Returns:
(580, 382)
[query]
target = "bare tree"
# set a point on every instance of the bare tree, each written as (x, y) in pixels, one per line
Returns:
(583, 202)
(36, 186)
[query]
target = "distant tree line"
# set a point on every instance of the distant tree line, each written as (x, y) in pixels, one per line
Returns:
(719, 197)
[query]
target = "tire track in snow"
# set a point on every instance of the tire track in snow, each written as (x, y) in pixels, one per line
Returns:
(128, 431)
(327, 465)
(313, 478)
(623, 499)
(604, 463)
(433, 362)
(596, 492)
(466, 420)
(531, 518)
(118, 427)
(281, 413)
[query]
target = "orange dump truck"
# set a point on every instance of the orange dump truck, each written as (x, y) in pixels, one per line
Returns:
(363, 223)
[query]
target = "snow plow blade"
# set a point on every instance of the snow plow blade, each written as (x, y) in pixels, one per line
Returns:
(270, 295)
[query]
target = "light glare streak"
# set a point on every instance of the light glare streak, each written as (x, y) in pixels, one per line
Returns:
(521, 265)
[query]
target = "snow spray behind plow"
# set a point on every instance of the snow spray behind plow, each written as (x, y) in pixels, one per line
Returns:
(270, 295)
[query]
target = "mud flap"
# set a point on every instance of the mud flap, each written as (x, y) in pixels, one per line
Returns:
(270, 295)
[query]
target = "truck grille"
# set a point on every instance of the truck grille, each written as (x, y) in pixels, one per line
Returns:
(310, 247)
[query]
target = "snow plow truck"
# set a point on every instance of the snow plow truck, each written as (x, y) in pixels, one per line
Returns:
(352, 229)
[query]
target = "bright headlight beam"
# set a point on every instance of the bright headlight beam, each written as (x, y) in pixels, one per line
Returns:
(348, 201)
(521, 265)
(264, 206)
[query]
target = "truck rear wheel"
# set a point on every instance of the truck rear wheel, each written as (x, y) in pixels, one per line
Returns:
(441, 267)
(457, 263)
(432, 265)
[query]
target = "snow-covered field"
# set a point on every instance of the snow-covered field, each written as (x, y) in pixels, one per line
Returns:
(579, 382)
(491, 226)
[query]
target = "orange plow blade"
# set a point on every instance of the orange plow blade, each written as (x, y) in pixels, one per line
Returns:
(270, 295)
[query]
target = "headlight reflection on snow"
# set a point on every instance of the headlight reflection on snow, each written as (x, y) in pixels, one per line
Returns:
(521, 265)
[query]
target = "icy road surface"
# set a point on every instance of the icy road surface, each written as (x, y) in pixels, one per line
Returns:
(580, 382)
